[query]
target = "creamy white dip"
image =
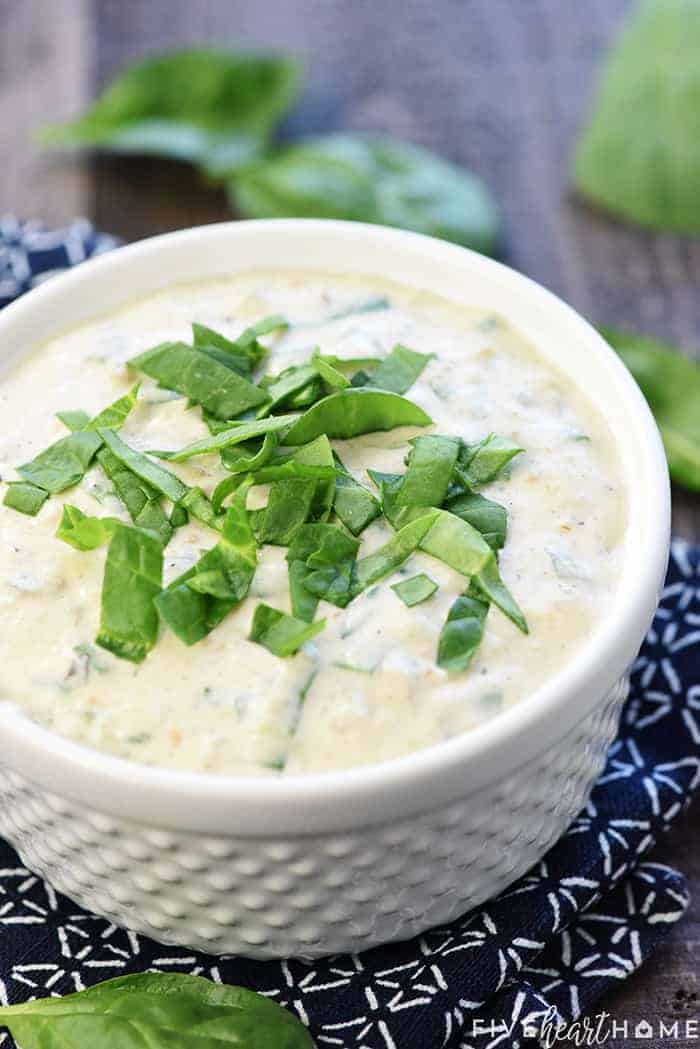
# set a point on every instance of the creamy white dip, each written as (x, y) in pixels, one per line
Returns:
(368, 687)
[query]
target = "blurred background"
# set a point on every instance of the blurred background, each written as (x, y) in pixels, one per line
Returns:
(501, 87)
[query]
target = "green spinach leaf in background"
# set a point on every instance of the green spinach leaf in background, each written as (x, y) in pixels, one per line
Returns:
(159, 1010)
(640, 154)
(671, 384)
(210, 107)
(369, 179)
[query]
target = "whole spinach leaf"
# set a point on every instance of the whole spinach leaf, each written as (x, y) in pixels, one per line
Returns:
(370, 179)
(351, 412)
(671, 384)
(133, 578)
(207, 106)
(155, 1010)
(639, 157)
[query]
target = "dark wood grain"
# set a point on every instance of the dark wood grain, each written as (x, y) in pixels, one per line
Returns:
(501, 86)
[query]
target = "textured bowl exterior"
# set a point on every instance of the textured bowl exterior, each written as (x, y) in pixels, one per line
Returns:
(277, 897)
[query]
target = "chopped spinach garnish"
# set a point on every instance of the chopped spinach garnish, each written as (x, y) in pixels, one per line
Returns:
(201, 377)
(159, 478)
(132, 579)
(243, 354)
(394, 552)
(197, 601)
(242, 458)
(480, 463)
(198, 506)
(415, 590)
(487, 516)
(400, 369)
(141, 499)
(115, 415)
(62, 464)
(432, 507)
(327, 555)
(236, 433)
(351, 412)
(331, 375)
(283, 635)
(74, 420)
(302, 491)
(26, 497)
(462, 631)
(84, 532)
(354, 504)
(282, 387)
(431, 462)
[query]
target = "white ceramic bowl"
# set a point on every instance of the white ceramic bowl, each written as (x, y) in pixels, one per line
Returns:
(344, 860)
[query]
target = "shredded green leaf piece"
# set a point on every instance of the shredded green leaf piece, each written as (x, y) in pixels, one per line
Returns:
(394, 552)
(116, 414)
(283, 635)
(480, 463)
(415, 590)
(462, 631)
(25, 497)
(162, 480)
(141, 499)
(74, 420)
(241, 459)
(400, 369)
(197, 504)
(62, 464)
(237, 433)
(244, 353)
(283, 387)
(431, 463)
(84, 532)
(200, 377)
(132, 580)
(327, 555)
(354, 504)
(351, 412)
(487, 516)
(198, 600)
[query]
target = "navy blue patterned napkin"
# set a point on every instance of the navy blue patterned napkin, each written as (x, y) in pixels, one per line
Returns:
(505, 974)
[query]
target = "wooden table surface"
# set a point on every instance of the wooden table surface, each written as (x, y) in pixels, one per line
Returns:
(500, 86)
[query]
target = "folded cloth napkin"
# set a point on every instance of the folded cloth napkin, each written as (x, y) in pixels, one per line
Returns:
(543, 952)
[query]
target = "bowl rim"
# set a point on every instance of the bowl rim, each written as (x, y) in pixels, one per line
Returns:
(415, 782)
